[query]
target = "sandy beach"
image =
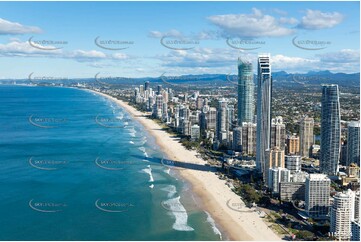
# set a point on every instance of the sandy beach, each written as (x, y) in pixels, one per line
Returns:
(241, 224)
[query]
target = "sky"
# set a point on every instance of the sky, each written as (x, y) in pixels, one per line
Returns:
(147, 39)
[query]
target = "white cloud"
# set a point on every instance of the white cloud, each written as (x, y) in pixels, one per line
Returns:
(279, 11)
(82, 54)
(7, 27)
(255, 24)
(289, 63)
(200, 57)
(120, 56)
(284, 20)
(170, 33)
(342, 56)
(16, 48)
(315, 19)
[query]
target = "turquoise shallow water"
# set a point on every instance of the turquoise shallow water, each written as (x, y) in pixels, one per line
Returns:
(74, 166)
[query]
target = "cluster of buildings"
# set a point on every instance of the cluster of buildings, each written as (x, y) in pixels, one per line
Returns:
(278, 154)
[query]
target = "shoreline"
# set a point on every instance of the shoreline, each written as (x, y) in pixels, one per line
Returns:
(243, 225)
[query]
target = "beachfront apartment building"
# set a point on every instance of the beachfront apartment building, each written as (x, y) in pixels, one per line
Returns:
(317, 195)
(342, 214)
(222, 124)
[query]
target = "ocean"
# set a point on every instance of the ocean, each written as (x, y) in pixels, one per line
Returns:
(75, 166)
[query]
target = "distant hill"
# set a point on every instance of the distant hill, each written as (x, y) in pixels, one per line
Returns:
(280, 79)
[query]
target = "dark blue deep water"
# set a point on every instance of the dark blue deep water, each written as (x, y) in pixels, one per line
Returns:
(75, 166)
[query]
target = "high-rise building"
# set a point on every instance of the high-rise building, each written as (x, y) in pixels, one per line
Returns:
(293, 163)
(353, 143)
(341, 215)
(330, 130)
(245, 106)
(299, 176)
(158, 107)
(264, 97)
(159, 89)
(141, 90)
(291, 191)
(357, 206)
(146, 85)
(355, 230)
(237, 139)
(292, 145)
(277, 175)
(306, 136)
(186, 127)
(249, 139)
(275, 157)
(195, 132)
(212, 118)
(230, 116)
(278, 133)
(317, 197)
(165, 112)
(199, 103)
(222, 130)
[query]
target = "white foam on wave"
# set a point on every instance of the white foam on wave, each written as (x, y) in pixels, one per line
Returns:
(144, 152)
(171, 189)
(148, 171)
(167, 170)
(179, 213)
(131, 142)
(120, 116)
(211, 221)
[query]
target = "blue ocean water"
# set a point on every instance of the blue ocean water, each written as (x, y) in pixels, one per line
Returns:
(75, 166)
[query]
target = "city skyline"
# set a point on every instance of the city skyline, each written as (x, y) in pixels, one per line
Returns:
(192, 121)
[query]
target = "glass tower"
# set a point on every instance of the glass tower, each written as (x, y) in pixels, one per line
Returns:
(264, 96)
(353, 143)
(330, 130)
(245, 107)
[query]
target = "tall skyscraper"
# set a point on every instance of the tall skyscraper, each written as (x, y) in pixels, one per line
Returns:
(278, 133)
(222, 130)
(306, 136)
(245, 107)
(330, 130)
(264, 97)
(317, 195)
(341, 215)
(146, 85)
(353, 143)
